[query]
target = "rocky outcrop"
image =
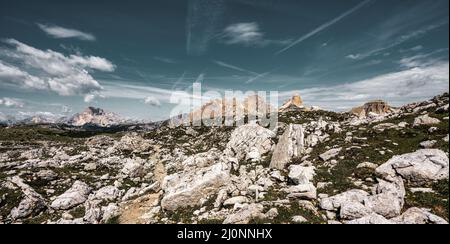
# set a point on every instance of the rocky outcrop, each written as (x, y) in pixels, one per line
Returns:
(420, 167)
(292, 105)
(387, 201)
(374, 108)
(290, 145)
(31, 204)
(249, 138)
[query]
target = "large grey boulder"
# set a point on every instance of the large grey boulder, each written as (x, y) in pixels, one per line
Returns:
(418, 216)
(371, 219)
(75, 196)
(425, 120)
(389, 198)
(290, 145)
(301, 174)
(335, 202)
(420, 167)
(332, 153)
(187, 189)
(245, 214)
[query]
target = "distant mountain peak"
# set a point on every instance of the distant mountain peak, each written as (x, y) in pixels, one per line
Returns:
(378, 107)
(294, 104)
(96, 116)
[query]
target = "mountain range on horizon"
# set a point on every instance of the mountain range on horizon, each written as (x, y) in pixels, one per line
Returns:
(250, 105)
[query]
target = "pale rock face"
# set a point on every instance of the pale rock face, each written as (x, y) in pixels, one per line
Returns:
(354, 210)
(295, 104)
(136, 167)
(32, 203)
(47, 175)
(290, 145)
(367, 165)
(389, 199)
(372, 219)
(109, 212)
(425, 120)
(188, 188)
(428, 144)
(377, 108)
(330, 154)
(108, 193)
(304, 191)
(418, 216)
(245, 214)
(133, 143)
(235, 200)
(420, 167)
(301, 175)
(249, 137)
(299, 219)
(335, 202)
(76, 195)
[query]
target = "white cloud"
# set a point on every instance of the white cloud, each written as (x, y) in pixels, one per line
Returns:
(33, 68)
(248, 34)
(63, 33)
(354, 56)
(153, 101)
(89, 98)
(398, 88)
(12, 102)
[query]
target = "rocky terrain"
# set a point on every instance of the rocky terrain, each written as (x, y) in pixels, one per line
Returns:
(373, 165)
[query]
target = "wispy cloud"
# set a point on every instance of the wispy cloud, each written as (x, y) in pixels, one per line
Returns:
(31, 68)
(253, 79)
(203, 18)
(400, 40)
(11, 102)
(59, 32)
(165, 60)
(325, 26)
(234, 67)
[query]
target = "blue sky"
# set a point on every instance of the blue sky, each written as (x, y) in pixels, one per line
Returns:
(58, 57)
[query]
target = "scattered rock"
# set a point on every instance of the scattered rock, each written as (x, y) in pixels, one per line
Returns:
(371, 219)
(330, 154)
(418, 216)
(300, 174)
(425, 120)
(75, 196)
(245, 214)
